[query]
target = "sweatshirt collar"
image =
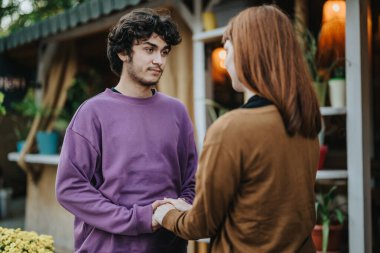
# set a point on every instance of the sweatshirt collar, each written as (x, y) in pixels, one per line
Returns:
(132, 100)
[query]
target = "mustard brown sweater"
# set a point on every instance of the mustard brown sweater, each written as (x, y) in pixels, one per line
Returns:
(254, 187)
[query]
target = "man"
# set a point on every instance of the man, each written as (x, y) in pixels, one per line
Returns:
(128, 146)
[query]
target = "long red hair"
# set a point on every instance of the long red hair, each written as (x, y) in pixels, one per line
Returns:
(269, 61)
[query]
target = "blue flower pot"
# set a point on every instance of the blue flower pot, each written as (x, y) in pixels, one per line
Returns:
(47, 142)
(19, 146)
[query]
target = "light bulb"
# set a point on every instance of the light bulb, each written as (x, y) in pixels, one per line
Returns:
(336, 7)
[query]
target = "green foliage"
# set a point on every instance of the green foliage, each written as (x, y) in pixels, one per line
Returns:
(2, 108)
(25, 111)
(310, 52)
(27, 107)
(85, 85)
(339, 72)
(7, 9)
(214, 109)
(328, 212)
(41, 9)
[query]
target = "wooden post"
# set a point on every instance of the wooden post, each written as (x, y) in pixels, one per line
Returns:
(358, 126)
(199, 78)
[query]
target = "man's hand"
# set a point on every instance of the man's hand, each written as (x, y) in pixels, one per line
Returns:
(155, 204)
(180, 204)
(161, 212)
(155, 225)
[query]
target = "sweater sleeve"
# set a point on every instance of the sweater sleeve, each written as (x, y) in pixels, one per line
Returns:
(77, 165)
(189, 169)
(217, 182)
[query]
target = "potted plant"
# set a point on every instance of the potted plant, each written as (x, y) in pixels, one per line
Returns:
(318, 74)
(26, 110)
(337, 88)
(327, 232)
(310, 50)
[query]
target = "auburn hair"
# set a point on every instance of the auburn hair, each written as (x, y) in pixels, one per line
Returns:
(269, 61)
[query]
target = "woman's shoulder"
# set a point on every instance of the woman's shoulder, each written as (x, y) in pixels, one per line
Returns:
(239, 117)
(242, 121)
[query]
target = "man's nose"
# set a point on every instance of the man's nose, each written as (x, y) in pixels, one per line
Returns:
(158, 59)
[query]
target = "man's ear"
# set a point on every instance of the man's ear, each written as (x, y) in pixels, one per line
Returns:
(123, 56)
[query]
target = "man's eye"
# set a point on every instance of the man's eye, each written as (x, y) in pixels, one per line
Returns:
(149, 50)
(165, 53)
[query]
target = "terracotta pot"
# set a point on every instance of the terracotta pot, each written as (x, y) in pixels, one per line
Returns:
(335, 236)
(322, 156)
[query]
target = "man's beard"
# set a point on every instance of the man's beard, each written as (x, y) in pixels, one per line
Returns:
(132, 74)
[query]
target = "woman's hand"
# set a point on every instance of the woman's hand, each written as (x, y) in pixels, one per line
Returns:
(161, 212)
(179, 204)
(158, 203)
(155, 205)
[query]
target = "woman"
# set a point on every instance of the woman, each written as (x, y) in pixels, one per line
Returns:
(256, 174)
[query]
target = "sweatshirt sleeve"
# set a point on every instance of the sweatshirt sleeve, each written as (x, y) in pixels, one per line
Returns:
(217, 182)
(78, 162)
(189, 169)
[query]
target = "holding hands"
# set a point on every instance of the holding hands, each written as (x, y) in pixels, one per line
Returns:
(162, 207)
(179, 204)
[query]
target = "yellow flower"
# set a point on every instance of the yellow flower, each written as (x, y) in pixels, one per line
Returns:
(18, 241)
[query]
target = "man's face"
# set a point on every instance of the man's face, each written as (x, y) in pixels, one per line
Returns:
(148, 60)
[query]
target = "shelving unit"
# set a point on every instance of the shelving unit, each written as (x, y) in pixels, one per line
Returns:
(328, 173)
(325, 174)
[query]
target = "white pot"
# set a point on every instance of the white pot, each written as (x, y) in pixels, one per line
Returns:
(337, 92)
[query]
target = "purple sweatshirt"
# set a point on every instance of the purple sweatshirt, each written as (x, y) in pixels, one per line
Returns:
(119, 155)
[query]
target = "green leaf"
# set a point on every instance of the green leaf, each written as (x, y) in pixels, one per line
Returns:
(339, 215)
(214, 109)
(2, 111)
(325, 235)
(2, 108)
(328, 212)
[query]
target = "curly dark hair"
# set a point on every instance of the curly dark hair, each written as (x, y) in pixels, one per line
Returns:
(136, 26)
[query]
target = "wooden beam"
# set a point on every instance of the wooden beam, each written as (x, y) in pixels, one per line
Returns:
(185, 14)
